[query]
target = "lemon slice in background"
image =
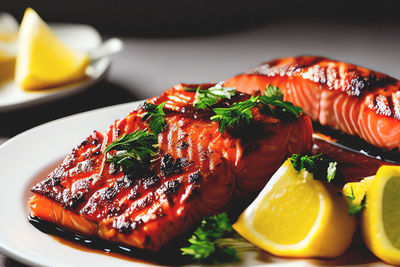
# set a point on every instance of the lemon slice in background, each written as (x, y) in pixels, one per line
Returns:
(43, 60)
(380, 219)
(297, 216)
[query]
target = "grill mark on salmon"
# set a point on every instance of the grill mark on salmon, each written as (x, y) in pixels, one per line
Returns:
(197, 173)
(339, 95)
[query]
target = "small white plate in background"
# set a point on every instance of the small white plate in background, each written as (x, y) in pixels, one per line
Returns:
(78, 36)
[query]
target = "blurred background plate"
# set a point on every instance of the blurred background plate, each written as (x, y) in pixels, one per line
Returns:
(78, 36)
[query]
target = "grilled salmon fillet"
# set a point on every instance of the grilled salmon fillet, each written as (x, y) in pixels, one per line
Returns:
(196, 173)
(346, 97)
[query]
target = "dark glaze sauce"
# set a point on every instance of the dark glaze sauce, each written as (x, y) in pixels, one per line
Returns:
(169, 255)
(357, 145)
(356, 158)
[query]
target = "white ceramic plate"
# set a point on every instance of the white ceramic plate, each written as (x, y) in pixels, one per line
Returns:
(28, 156)
(79, 36)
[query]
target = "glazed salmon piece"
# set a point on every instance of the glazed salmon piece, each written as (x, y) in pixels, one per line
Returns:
(197, 172)
(339, 95)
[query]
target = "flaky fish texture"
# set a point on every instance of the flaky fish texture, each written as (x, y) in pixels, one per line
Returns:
(346, 97)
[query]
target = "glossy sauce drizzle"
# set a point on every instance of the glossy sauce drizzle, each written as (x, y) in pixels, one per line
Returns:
(356, 158)
(357, 145)
(167, 256)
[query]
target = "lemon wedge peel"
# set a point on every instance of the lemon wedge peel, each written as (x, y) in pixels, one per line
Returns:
(333, 223)
(372, 218)
(43, 60)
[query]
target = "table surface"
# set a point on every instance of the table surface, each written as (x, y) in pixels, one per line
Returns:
(146, 67)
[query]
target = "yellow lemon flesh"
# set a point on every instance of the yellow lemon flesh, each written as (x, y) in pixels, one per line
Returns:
(380, 219)
(297, 216)
(43, 60)
(357, 190)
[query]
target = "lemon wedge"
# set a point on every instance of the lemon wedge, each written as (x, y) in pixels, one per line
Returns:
(380, 219)
(43, 60)
(297, 216)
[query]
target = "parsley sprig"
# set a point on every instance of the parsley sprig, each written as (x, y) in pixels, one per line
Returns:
(273, 92)
(235, 115)
(273, 97)
(240, 113)
(208, 97)
(205, 245)
(320, 165)
(155, 116)
(133, 150)
(355, 209)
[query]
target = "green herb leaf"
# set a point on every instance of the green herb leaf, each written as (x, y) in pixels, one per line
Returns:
(235, 115)
(155, 116)
(355, 209)
(273, 97)
(352, 197)
(273, 92)
(133, 150)
(204, 242)
(320, 165)
(331, 172)
(240, 113)
(208, 97)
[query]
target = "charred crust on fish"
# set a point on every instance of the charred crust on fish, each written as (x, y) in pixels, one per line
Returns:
(195, 178)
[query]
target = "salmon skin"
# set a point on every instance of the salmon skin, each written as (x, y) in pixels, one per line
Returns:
(197, 172)
(345, 97)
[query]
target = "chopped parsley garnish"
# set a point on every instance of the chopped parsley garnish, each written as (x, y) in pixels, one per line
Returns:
(155, 116)
(320, 165)
(204, 245)
(331, 171)
(236, 114)
(208, 97)
(133, 150)
(355, 209)
(240, 113)
(273, 97)
(273, 92)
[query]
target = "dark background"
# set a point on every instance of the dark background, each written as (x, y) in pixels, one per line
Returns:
(174, 18)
